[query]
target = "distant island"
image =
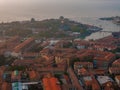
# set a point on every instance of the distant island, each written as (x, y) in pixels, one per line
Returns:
(49, 28)
(115, 19)
(107, 18)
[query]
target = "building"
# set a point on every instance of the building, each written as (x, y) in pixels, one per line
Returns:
(117, 79)
(33, 75)
(23, 62)
(16, 76)
(51, 70)
(22, 47)
(116, 63)
(82, 72)
(101, 44)
(114, 71)
(91, 83)
(5, 86)
(29, 55)
(81, 44)
(100, 59)
(19, 86)
(104, 81)
(51, 83)
(115, 67)
(87, 65)
(74, 79)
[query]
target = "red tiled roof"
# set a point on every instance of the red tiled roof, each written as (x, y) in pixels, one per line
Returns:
(51, 69)
(51, 84)
(5, 86)
(32, 74)
(22, 45)
(23, 62)
(95, 85)
(29, 54)
(75, 81)
(83, 71)
(98, 71)
(98, 55)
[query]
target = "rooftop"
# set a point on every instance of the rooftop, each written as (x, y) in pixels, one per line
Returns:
(104, 79)
(23, 44)
(51, 83)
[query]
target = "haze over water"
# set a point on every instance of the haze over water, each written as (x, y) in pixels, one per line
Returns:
(12, 10)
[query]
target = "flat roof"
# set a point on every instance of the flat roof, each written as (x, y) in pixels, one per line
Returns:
(104, 79)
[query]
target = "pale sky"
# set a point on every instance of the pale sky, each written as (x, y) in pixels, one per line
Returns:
(23, 9)
(18, 2)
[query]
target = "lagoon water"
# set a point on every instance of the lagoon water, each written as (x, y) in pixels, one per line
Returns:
(12, 10)
(106, 25)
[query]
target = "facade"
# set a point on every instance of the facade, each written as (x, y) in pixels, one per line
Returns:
(87, 65)
(115, 67)
(74, 79)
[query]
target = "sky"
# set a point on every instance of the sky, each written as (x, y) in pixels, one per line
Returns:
(41, 9)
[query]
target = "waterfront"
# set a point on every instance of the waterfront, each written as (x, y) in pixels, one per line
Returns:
(106, 25)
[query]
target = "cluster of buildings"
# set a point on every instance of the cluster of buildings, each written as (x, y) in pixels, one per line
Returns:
(60, 64)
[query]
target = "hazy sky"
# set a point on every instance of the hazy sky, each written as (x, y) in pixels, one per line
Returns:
(40, 9)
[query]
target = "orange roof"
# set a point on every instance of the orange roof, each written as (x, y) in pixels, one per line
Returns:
(95, 85)
(88, 83)
(4, 86)
(51, 84)
(109, 86)
(98, 71)
(20, 46)
(83, 71)
(98, 55)
(46, 84)
(75, 81)
(32, 74)
(28, 54)
(54, 84)
(20, 62)
(118, 77)
(60, 69)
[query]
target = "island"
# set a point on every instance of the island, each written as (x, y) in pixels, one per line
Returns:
(115, 20)
(48, 28)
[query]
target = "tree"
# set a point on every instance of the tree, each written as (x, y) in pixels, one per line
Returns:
(61, 17)
(32, 20)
